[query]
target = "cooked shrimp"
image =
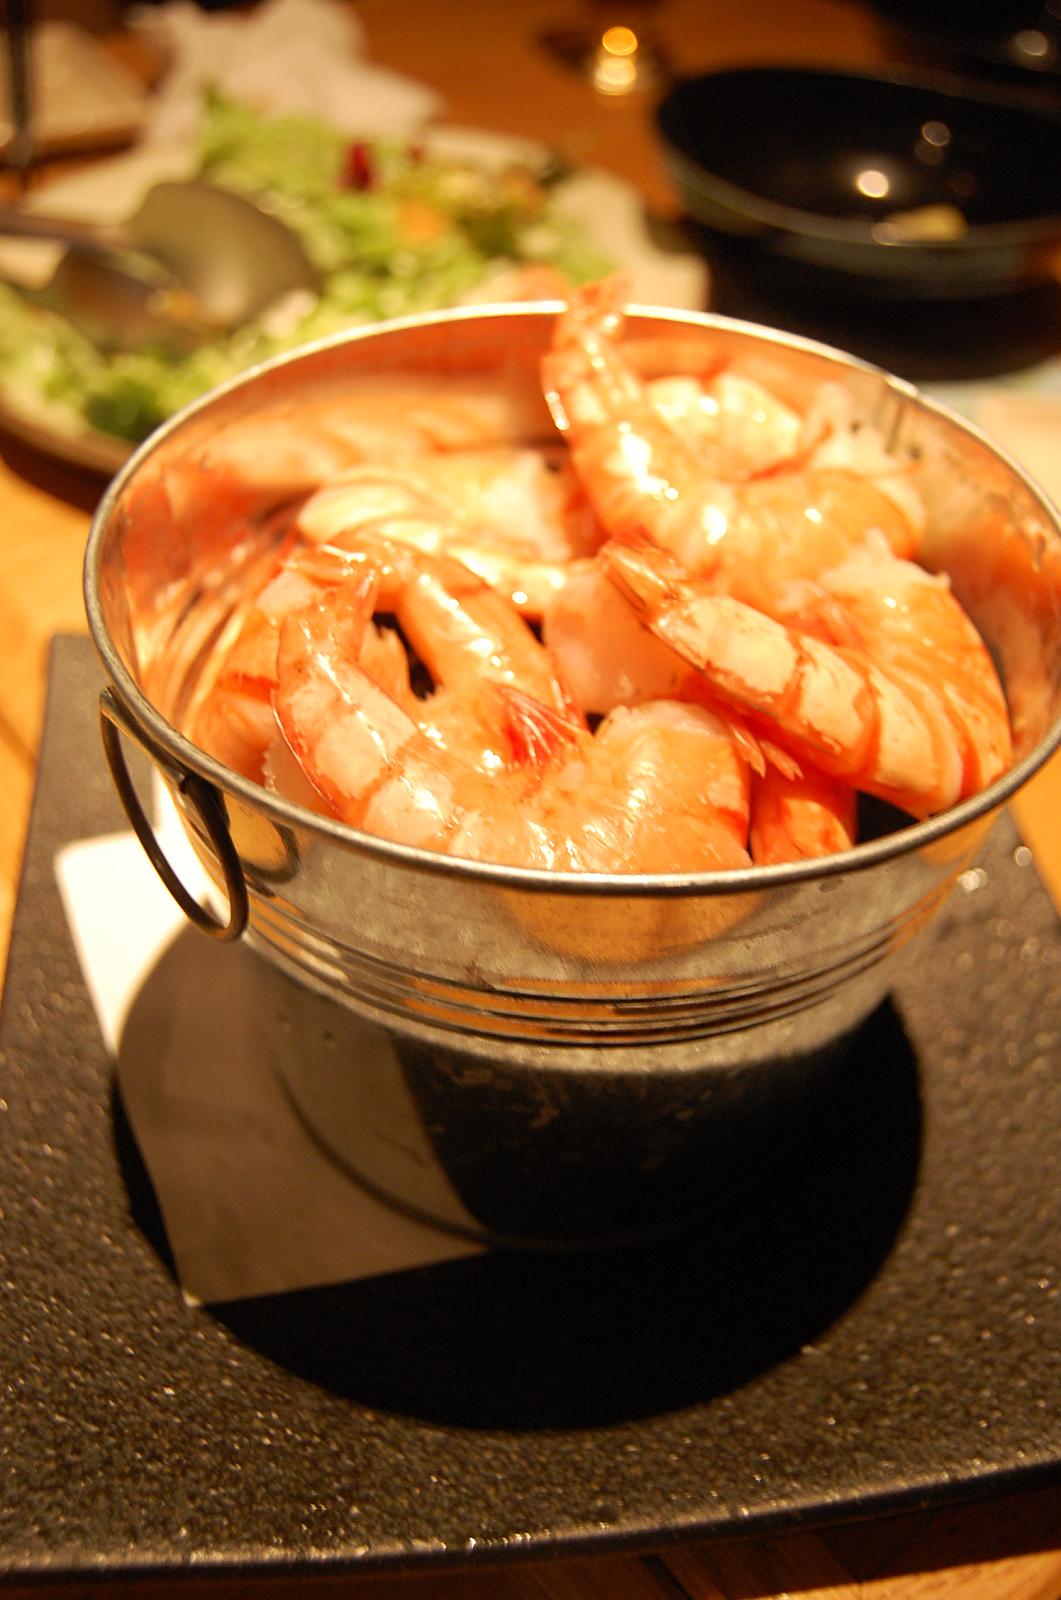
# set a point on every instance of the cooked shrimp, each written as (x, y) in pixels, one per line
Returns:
(660, 788)
(529, 584)
(520, 525)
(461, 629)
(664, 789)
(234, 720)
(288, 449)
(838, 443)
(752, 536)
(521, 499)
(798, 816)
(607, 658)
(734, 421)
(666, 784)
(914, 714)
(366, 756)
(229, 712)
(719, 569)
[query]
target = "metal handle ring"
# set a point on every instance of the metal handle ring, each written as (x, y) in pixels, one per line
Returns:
(203, 799)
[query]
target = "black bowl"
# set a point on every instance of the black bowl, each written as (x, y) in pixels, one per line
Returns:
(903, 186)
(1019, 40)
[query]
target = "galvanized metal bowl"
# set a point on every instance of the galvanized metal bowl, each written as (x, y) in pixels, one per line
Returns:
(571, 1041)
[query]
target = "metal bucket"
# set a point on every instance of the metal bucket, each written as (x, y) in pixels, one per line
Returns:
(578, 1039)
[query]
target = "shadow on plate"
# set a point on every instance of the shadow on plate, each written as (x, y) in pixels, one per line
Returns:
(522, 1340)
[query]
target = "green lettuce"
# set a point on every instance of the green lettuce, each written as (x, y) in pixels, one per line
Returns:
(392, 228)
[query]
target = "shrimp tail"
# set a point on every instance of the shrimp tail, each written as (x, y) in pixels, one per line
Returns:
(753, 749)
(582, 382)
(536, 735)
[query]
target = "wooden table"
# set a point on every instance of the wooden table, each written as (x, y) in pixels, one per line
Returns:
(486, 60)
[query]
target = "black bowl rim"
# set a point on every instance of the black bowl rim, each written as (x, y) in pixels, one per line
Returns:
(984, 46)
(777, 218)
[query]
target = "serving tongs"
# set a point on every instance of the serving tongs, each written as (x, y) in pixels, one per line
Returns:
(191, 262)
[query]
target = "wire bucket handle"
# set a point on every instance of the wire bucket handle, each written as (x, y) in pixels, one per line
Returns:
(204, 801)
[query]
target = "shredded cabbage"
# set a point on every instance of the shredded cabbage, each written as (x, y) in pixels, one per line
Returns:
(394, 228)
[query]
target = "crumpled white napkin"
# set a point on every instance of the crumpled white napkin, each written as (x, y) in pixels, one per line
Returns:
(286, 56)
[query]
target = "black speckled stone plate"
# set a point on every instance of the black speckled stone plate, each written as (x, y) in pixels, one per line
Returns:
(871, 1323)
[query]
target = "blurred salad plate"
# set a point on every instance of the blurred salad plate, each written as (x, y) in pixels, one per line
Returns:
(192, 261)
(394, 227)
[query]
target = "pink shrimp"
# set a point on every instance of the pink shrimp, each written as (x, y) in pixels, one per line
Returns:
(609, 659)
(234, 721)
(606, 657)
(734, 422)
(797, 816)
(914, 714)
(664, 789)
(462, 632)
(751, 535)
(528, 500)
(658, 789)
(516, 517)
(367, 756)
(528, 582)
(461, 629)
(286, 449)
(229, 712)
(233, 718)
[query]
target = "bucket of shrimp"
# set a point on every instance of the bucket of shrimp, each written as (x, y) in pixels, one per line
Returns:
(576, 706)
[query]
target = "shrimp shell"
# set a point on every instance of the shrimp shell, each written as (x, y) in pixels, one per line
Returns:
(752, 534)
(915, 716)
